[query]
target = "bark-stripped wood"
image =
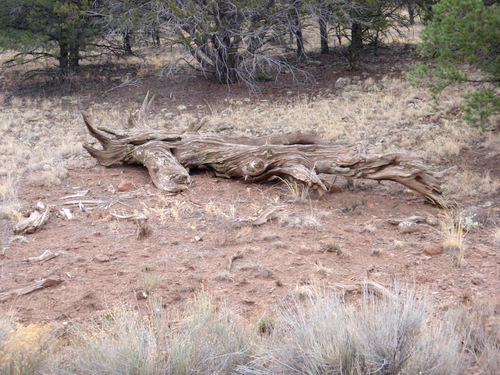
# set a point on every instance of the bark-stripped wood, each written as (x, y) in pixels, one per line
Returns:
(36, 285)
(302, 157)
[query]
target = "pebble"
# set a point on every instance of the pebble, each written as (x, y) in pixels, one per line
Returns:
(125, 185)
(101, 258)
(433, 249)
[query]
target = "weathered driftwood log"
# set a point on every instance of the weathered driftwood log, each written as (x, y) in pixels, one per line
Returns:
(302, 157)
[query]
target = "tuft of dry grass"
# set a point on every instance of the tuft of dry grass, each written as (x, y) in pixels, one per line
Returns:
(25, 350)
(321, 333)
(453, 241)
(298, 191)
(204, 341)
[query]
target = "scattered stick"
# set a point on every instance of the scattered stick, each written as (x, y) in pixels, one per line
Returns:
(130, 217)
(370, 286)
(37, 285)
(263, 216)
(415, 219)
(34, 222)
(66, 213)
(46, 255)
(83, 202)
(78, 194)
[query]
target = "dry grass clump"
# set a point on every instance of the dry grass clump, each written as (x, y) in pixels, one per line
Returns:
(9, 204)
(453, 232)
(205, 341)
(25, 350)
(209, 342)
(120, 343)
(317, 332)
(325, 335)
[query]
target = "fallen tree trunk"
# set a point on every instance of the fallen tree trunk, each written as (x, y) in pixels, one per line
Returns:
(301, 157)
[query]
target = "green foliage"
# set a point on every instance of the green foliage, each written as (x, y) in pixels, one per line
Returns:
(480, 106)
(463, 33)
(46, 28)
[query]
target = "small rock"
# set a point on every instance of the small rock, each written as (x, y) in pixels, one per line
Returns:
(474, 217)
(410, 227)
(477, 281)
(341, 82)
(101, 258)
(141, 294)
(376, 252)
(433, 249)
(125, 185)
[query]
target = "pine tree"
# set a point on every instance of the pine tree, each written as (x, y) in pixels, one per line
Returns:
(46, 28)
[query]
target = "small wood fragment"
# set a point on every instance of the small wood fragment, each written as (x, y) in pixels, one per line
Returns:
(368, 285)
(130, 217)
(37, 285)
(415, 219)
(78, 194)
(34, 222)
(263, 216)
(66, 213)
(46, 255)
(79, 203)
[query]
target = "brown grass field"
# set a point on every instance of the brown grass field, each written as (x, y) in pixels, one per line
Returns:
(207, 293)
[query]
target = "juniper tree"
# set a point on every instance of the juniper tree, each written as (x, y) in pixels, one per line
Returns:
(46, 28)
(461, 34)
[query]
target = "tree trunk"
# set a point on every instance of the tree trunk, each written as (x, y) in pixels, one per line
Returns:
(63, 56)
(300, 157)
(155, 35)
(74, 56)
(226, 65)
(356, 36)
(323, 29)
(411, 13)
(296, 27)
(127, 44)
(356, 44)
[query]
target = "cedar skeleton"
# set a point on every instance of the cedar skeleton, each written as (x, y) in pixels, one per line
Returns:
(302, 157)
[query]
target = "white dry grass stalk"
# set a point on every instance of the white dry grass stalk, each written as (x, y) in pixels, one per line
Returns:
(298, 191)
(453, 232)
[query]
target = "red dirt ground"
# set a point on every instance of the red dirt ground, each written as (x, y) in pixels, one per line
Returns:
(197, 242)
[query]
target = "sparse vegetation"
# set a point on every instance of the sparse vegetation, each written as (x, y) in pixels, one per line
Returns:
(464, 32)
(318, 333)
(25, 350)
(334, 238)
(454, 232)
